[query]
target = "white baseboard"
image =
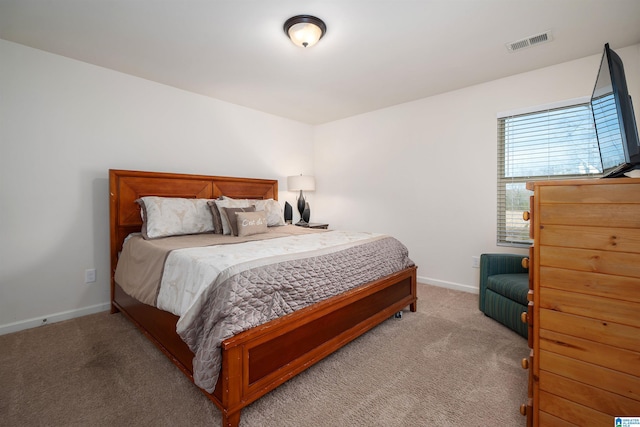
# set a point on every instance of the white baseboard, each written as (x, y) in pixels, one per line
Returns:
(53, 318)
(448, 285)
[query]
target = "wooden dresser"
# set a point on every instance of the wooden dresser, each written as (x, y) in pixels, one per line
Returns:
(584, 302)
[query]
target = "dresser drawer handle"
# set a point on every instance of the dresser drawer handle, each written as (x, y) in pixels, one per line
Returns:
(523, 317)
(523, 409)
(525, 363)
(526, 215)
(525, 263)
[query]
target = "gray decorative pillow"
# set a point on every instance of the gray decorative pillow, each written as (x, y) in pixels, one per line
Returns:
(174, 216)
(217, 217)
(229, 203)
(250, 223)
(230, 214)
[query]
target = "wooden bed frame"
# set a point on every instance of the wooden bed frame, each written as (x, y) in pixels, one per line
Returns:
(258, 360)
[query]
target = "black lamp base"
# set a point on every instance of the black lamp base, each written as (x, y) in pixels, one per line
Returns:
(305, 212)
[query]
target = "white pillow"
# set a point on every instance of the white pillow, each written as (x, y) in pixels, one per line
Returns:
(271, 207)
(173, 216)
(273, 211)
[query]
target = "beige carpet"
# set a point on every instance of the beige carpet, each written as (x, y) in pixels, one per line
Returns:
(446, 365)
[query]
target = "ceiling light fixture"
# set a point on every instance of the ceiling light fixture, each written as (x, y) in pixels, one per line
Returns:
(305, 30)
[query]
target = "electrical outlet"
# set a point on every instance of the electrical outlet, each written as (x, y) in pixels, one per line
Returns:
(475, 261)
(90, 275)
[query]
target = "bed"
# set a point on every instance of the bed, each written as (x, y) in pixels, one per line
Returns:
(259, 359)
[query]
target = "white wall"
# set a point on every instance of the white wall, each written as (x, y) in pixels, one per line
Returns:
(63, 124)
(425, 171)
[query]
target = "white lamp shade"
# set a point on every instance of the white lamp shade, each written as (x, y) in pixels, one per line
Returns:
(301, 182)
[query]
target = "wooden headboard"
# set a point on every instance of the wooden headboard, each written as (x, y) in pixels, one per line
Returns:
(127, 186)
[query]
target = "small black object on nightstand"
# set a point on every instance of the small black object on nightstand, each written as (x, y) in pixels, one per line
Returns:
(288, 213)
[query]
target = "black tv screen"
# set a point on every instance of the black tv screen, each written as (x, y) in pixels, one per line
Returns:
(614, 118)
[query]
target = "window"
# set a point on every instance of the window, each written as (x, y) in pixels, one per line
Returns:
(556, 143)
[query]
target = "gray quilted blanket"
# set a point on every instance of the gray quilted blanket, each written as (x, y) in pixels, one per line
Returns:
(258, 295)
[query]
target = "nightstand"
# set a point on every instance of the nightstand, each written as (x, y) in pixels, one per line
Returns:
(315, 225)
(318, 225)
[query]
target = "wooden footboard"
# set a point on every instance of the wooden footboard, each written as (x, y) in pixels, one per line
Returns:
(260, 359)
(256, 361)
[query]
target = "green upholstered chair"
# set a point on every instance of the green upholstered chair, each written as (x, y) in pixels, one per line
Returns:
(504, 284)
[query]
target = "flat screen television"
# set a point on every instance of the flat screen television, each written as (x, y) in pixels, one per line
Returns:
(615, 119)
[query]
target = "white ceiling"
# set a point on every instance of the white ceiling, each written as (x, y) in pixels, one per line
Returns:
(376, 53)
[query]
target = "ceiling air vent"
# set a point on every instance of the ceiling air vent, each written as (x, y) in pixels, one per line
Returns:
(530, 41)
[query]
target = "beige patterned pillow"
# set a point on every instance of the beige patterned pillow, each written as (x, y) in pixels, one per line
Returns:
(173, 216)
(250, 223)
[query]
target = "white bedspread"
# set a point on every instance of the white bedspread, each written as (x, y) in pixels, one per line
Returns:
(188, 272)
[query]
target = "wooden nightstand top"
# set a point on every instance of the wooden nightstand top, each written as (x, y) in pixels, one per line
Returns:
(315, 225)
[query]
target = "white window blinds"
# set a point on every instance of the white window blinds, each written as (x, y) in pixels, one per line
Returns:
(606, 117)
(557, 143)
